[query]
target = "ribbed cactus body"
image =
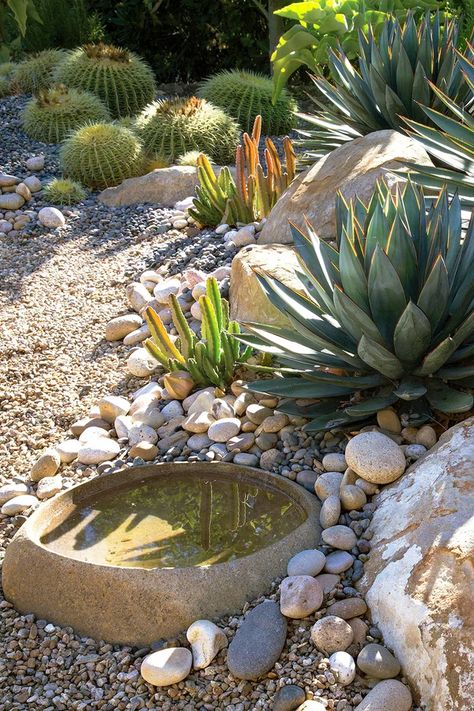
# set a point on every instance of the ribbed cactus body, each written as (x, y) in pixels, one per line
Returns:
(100, 155)
(62, 191)
(54, 113)
(123, 81)
(37, 72)
(246, 95)
(171, 128)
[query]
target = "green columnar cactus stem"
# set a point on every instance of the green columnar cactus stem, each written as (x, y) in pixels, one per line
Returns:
(209, 361)
(37, 72)
(100, 155)
(246, 95)
(123, 81)
(55, 112)
(169, 129)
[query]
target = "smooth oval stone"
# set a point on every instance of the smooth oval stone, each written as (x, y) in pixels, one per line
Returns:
(348, 608)
(11, 489)
(327, 484)
(375, 457)
(344, 666)
(376, 661)
(388, 695)
(288, 698)
(307, 478)
(206, 640)
(17, 504)
(331, 634)
(338, 562)
(334, 462)
(341, 537)
(167, 666)
(352, 498)
(258, 643)
(330, 511)
(308, 562)
(300, 596)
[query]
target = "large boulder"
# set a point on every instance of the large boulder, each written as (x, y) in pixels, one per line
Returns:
(247, 299)
(353, 168)
(163, 186)
(419, 580)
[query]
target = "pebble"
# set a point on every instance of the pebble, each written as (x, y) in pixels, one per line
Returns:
(224, 429)
(330, 511)
(270, 459)
(18, 504)
(288, 698)
(120, 326)
(93, 432)
(426, 436)
(334, 462)
(167, 666)
(331, 634)
(198, 441)
(241, 442)
(360, 630)
(300, 596)
(375, 457)
(307, 478)
(258, 413)
(340, 537)
(275, 423)
(51, 217)
(348, 608)
(376, 661)
(141, 364)
(112, 406)
(245, 459)
(47, 465)
(258, 643)
(221, 409)
(415, 451)
(387, 695)
(198, 422)
(328, 582)
(389, 420)
(48, 487)
(312, 705)
(171, 410)
(338, 562)
(368, 488)
(68, 450)
(142, 433)
(199, 402)
(33, 183)
(35, 163)
(24, 191)
(11, 489)
(327, 484)
(163, 290)
(352, 498)
(97, 450)
(145, 450)
(11, 201)
(344, 666)
(137, 336)
(306, 562)
(206, 639)
(138, 296)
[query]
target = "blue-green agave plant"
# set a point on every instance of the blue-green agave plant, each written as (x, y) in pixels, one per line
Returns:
(383, 318)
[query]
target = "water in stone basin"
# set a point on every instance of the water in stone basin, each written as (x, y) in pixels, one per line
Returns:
(174, 521)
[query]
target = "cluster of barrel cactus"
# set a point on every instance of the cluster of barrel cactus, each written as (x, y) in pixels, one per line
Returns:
(101, 155)
(246, 95)
(253, 193)
(62, 191)
(53, 113)
(123, 81)
(37, 72)
(171, 128)
(209, 360)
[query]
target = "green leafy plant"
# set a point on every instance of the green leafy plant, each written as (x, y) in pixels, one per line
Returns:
(450, 140)
(55, 112)
(123, 81)
(172, 127)
(246, 95)
(384, 318)
(391, 82)
(4, 87)
(253, 193)
(7, 69)
(62, 191)
(36, 72)
(211, 359)
(328, 24)
(100, 155)
(62, 24)
(17, 13)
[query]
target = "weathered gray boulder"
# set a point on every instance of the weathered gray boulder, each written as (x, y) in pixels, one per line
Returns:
(247, 299)
(353, 168)
(419, 581)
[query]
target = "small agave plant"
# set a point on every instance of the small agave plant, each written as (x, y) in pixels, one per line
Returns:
(384, 318)
(210, 360)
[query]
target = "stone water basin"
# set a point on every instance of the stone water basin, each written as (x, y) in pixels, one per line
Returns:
(140, 554)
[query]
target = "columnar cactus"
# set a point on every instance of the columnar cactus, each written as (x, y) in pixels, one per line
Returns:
(123, 81)
(101, 155)
(246, 95)
(55, 112)
(174, 127)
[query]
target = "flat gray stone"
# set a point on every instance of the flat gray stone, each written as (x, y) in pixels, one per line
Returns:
(258, 643)
(288, 698)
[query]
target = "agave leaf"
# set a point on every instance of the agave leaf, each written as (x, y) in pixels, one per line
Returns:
(402, 254)
(370, 406)
(446, 399)
(436, 358)
(361, 382)
(412, 334)
(434, 296)
(386, 294)
(450, 373)
(298, 387)
(410, 389)
(379, 358)
(354, 319)
(353, 278)
(335, 420)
